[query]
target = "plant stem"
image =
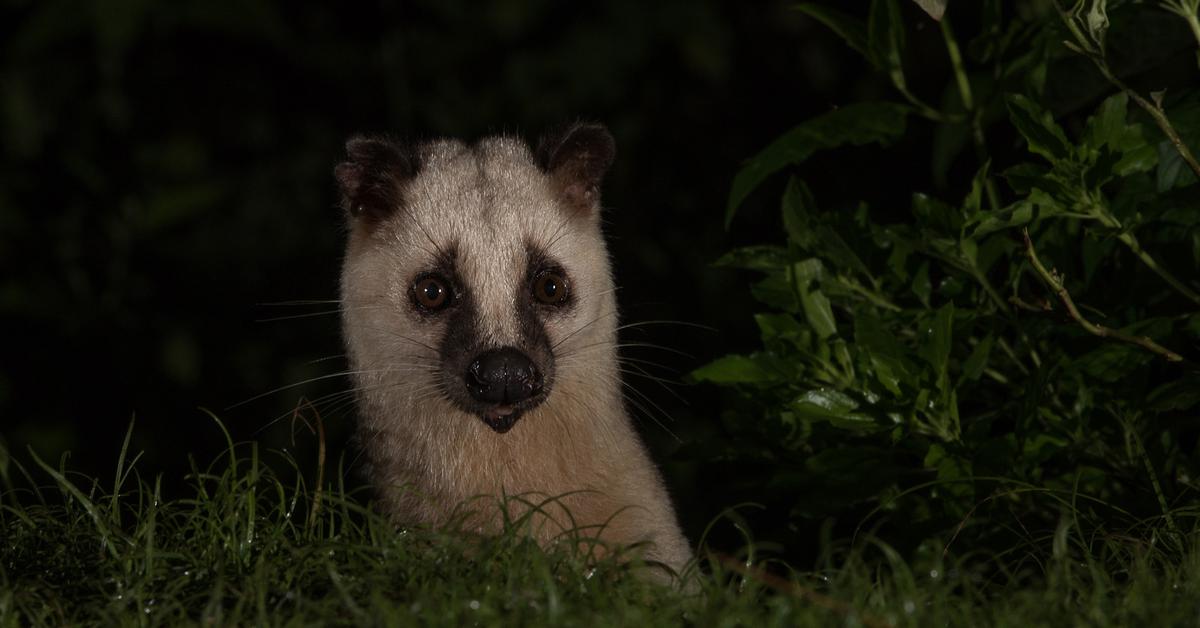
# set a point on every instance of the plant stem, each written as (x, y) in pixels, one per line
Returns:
(1157, 113)
(1188, 11)
(1004, 346)
(981, 152)
(1095, 52)
(964, 92)
(870, 295)
(1130, 241)
(1054, 281)
(923, 109)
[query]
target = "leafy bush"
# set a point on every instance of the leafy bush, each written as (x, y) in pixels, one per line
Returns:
(1013, 364)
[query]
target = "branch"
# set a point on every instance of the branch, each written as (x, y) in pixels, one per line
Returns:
(968, 101)
(1054, 281)
(1094, 50)
(1157, 113)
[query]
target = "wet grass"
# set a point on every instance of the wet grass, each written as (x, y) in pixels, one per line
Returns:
(243, 546)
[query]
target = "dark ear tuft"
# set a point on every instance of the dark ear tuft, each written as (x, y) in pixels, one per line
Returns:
(372, 177)
(576, 156)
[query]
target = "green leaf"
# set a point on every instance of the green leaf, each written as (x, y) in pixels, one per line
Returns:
(757, 257)
(1180, 394)
(834, 248)
(1111, 362)
(953, 471)
(798, 207)
(1037, 205)
(817, 308)
(1025, 178)
(922, 287)
(870, 333)
(937, 336)
(849, 28)
(1137, 159)
(856, 124)
(973, 204)
(1042, 134)
(886, 373)
(935, 214)
(819, 313)
(777, 327)
(830, 405)
(800, 223)
(992, 250)
(1102, 169)
(978, 359)
(776, 291)
(1040, 447)
(808, 270)
(1173, 171)
(949, 141)
(738, 369)
(1022, 178)
(886, 354)
(902, 249)
(1108, 127)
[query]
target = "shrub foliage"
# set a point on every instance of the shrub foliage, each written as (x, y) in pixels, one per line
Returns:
(1017, 353)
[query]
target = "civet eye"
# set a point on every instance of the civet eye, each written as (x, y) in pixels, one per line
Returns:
(431, 292)
(550, 288)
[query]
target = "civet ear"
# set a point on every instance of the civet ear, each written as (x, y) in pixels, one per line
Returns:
(371, 179)
(576, 157)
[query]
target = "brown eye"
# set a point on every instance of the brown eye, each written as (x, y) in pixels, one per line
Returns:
(550, 288)
(431, 293)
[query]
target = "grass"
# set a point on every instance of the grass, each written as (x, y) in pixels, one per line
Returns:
(243, 546)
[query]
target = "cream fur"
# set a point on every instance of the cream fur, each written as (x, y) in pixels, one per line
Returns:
(430, 458)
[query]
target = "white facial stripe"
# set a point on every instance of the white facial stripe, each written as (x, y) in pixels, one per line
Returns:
(492, 269)
(488, 205)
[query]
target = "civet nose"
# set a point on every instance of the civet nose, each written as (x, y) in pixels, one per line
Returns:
(503, 376)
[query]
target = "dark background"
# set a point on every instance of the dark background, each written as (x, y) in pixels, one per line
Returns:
(165, 177)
